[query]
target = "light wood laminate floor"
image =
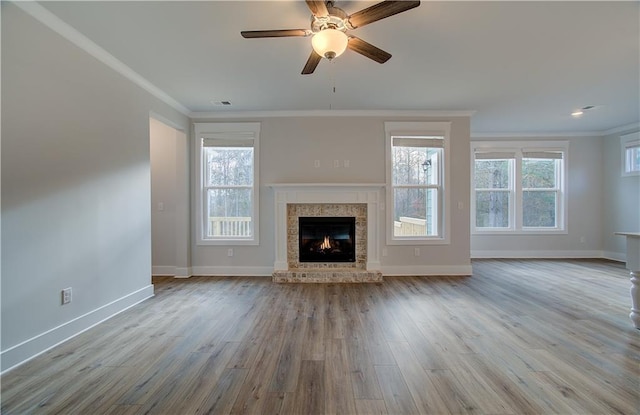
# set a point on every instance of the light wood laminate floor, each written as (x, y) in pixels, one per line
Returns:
(519, 337)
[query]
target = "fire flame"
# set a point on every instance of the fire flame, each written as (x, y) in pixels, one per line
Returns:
(325, 243)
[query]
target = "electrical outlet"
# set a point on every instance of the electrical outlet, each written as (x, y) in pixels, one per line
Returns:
(336, 163)
(346, 163)
(230, 252)
(316, 163)
(416, 251)
(66, 295)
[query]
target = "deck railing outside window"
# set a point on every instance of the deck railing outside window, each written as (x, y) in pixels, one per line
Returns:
(229, 226)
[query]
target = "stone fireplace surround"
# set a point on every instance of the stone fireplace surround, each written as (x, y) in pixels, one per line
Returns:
(321, 199)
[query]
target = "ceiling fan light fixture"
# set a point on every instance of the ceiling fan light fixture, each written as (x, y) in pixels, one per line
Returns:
(330, 43)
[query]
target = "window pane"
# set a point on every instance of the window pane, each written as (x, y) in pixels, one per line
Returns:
(632, 159)
(539, 209)
(539, 173)
(229, 212)
(492, 209)
(492, 174)
(228, 166)
(416, 212)
(415, 165)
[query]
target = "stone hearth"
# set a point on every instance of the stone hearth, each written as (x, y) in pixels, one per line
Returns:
(325, 200)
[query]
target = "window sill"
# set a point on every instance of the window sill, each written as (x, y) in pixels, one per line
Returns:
(228, 242)
(418, 241)
(520, 232)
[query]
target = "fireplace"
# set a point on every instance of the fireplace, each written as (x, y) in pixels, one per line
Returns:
(327, 239)
(317, 201)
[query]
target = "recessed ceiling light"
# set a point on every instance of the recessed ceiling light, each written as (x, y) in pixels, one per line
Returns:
(223, 103)
(578, 113)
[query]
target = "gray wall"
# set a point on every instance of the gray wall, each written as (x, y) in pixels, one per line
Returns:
(585, 211)
(288, 148)
(169, 199)
(621, 196)
(75, 188)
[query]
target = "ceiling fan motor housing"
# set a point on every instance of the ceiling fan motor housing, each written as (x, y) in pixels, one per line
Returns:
(336, 19)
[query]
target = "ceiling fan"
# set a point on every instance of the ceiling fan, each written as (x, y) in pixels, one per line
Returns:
(329, 26)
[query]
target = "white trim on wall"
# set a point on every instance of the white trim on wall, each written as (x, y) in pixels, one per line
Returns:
(163, 270)
(536, 254)
(35, 346)
(520, 134)
(232, 271)
(54, 23)
(329, 113)
(426, 270)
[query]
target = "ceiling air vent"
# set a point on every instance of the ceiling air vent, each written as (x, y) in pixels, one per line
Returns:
(221, 103)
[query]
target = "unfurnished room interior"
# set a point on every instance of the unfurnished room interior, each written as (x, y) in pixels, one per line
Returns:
(320, 207)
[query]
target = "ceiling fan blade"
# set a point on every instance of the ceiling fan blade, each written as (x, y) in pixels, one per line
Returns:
(367, 49)
(312, 63)
(380, 11)
(252, 34)
(318, 8)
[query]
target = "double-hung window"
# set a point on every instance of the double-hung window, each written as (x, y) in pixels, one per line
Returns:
(416, 179)
(227, 183)
(630, 144)
(519, 187)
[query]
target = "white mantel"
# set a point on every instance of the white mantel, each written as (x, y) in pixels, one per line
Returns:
(323, 193)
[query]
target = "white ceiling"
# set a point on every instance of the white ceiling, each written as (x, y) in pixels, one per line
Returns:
(523, 67)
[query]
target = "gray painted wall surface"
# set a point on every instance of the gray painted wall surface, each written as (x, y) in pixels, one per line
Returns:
(621, 196)
(288, 148)
(585, 210)
(75, 181)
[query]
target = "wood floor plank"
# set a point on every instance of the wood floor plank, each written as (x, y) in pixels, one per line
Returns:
(309, 395)
(371, 407)
(339, 392)
(225, 392)
(396, 394)
(422, 390)
(518, 337)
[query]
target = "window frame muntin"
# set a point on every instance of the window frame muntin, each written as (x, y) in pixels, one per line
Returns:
(252, 131)
(420, 129)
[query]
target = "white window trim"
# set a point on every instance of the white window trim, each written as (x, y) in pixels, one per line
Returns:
(201, 129)
(515, 225)
(422, 129)
(628, 141)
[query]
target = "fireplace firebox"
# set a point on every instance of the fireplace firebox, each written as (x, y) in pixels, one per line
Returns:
(327, 239)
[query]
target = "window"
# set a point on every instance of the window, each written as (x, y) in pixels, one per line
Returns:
(630, 144)
(518, 187)
(416, 180)
(227, 183)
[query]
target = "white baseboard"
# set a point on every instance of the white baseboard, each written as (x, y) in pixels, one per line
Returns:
(615, 256)
(226, 271)
(425, 270)
(170, 271)
(183, 272)
(39, 344)
(475, 254)
(163, 270)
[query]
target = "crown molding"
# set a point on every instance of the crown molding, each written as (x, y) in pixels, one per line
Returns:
(54, 23)
(623, 128)
(538, 135)
(329, 113)
(616, 130)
